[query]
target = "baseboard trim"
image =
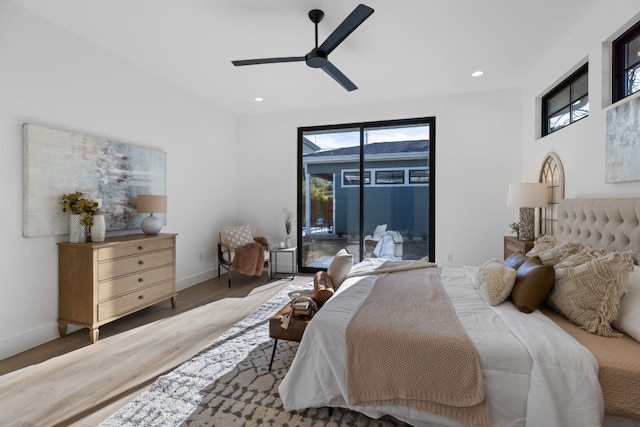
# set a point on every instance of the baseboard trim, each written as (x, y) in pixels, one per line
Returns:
(196, 278)
(29, 339)
(45, 333)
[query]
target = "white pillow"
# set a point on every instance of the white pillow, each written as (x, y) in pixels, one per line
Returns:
(495, 281)
(628, 320)
(379, 231)
(339, 268)
(235, 237)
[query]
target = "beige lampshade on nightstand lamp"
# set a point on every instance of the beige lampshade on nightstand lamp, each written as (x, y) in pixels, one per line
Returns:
(147, 203)
(527, 197)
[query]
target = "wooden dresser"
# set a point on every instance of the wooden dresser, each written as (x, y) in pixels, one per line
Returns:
(101, 282)
(513, 244)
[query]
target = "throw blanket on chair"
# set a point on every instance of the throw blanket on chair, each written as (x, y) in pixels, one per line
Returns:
(249, 259)
(405, 346)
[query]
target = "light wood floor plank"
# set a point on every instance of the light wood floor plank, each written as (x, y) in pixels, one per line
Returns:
(70, 382)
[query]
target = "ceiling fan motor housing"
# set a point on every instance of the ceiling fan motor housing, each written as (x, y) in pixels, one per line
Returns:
(316, 59)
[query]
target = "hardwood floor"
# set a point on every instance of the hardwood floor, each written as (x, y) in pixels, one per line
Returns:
(71, 382)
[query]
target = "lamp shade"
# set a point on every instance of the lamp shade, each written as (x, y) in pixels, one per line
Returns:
(527, 195)
(147, 203)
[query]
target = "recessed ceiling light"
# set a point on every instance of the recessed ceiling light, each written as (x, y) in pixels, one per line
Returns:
(258, 99)
(477, 73)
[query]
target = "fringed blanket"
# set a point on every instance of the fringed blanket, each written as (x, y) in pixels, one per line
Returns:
(405, 346)
(249, 259)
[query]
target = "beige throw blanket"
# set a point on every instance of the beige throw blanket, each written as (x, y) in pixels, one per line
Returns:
(249, 259)
(405, 346)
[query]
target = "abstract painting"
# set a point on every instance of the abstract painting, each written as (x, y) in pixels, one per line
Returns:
(623, 143)
(57, 162)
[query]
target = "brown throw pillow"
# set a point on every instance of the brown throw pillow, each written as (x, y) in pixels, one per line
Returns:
(515, 260)
(534, 281)
(322, 287)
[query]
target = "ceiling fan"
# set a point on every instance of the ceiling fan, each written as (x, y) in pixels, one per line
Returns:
(318, 57)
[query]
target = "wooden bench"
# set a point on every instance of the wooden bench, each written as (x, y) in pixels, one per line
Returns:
(297, 325)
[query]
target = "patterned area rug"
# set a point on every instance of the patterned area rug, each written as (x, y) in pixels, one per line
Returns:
(229, 384)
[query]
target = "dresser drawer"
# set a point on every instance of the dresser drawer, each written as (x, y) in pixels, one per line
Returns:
(123, 266)
(123, 285)
(130, 302)
(133, 248)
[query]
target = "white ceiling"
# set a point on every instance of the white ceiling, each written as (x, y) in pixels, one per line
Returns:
(406, 49)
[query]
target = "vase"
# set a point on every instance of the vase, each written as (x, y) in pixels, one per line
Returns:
(99, 227)
(288, 242)
(77, 230)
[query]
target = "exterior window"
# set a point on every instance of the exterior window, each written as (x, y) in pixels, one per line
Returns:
(419, 176)
(390, 177)
(353, 178)
(566, 103)
(626, 63)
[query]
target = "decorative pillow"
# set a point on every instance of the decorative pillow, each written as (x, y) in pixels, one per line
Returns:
(551, 250)
(495, 281)
(559, 252)
(628, 320)
(585, 255)
(533, 283)
(515, 260)
(379, 231)
(543, 243)
(340, 267)
(322, 287)
(589, 294)
(237, 236)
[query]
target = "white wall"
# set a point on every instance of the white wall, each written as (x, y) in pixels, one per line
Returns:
(477, 152)
(581, 146)
(50, 77)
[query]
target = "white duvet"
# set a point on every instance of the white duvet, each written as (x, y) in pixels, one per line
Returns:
(534, 373)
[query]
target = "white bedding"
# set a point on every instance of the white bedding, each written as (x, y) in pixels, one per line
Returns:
(535, 374)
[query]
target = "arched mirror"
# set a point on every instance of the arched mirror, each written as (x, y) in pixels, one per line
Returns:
(552, 174)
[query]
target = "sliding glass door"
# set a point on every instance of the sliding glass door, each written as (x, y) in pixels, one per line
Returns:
(366, 188)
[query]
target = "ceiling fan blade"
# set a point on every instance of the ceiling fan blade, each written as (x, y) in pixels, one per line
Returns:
(267, 60)
(344, 81)
(351, 22)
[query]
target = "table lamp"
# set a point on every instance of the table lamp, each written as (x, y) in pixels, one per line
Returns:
(147, 203)
(527, 197)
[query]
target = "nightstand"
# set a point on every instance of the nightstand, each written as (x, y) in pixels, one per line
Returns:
(513, 244)
(273, 253)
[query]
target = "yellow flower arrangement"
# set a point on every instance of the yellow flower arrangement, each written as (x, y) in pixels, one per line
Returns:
(75, 203)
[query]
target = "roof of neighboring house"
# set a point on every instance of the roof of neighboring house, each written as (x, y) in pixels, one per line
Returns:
(308, 146)
(394, 147)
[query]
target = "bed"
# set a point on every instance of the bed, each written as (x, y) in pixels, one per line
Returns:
(536, 369)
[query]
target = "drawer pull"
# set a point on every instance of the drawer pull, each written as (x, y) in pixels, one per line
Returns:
(141, 297)
(140, 262)
(140, 248)
(140, 280)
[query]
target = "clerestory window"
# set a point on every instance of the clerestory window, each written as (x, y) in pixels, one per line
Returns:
(567, 103)
(626, 63)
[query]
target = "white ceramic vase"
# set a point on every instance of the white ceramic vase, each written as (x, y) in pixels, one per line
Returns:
(77, 230)
(99, 227)
(288, 242)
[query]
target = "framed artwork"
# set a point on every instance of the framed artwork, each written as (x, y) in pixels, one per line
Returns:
(623, 142)
(56, 162)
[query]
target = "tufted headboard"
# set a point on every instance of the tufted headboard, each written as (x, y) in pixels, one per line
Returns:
(610, 224)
